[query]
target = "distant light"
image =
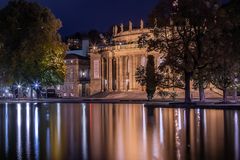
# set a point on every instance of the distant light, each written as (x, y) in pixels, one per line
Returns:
(36, 85)
(6, 91)
(19, 86)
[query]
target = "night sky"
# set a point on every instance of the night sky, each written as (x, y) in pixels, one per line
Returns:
(84, 15)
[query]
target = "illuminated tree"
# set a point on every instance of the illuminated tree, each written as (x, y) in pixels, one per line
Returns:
(31, 46)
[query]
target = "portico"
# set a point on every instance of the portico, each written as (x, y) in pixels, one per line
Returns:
(113, 67)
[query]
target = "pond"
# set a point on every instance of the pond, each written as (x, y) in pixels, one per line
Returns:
(116, 132)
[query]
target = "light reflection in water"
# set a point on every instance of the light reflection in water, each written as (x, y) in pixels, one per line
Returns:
(178, 134)
(6, 128)
(28, 119)
(84, 131)
(144, 129)
(179, 119)
(161, 129)
(58, 123)
(48, 146)
(19, 142)
(236, 135)
(36, 133)
(116, 132)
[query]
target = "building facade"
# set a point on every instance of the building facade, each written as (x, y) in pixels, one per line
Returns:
(76, 83)
(113, 67)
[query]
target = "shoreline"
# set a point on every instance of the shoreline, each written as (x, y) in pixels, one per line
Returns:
(155, 103)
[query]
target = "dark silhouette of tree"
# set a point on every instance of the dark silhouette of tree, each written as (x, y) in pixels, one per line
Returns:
(151, 81)
(140, 76)
(181, 41)
(225, 70)
(148, 77)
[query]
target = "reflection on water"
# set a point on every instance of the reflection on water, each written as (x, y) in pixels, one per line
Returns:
(116, 131)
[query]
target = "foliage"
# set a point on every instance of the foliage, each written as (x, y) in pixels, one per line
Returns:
(151, 81)
(181, 41)
(164, 93)
(148, 76)
(226, 69)
(140, 75)
(31, 46)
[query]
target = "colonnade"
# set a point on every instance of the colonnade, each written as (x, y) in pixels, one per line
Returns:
(118, 72)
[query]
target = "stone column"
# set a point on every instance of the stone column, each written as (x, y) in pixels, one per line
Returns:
(134, 67)
(117, 73)
(130, 71)
(107, 78)
(102, 74)
(121, 73)
(125, 76)
(124, 67)
(110, 73)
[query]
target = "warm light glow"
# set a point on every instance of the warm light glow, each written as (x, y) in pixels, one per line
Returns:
(58, 122)
(161, 126)
(84, 131)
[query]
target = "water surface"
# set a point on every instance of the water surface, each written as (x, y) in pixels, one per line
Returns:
(117, 132)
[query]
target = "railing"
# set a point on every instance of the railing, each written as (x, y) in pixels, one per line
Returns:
(114, 47)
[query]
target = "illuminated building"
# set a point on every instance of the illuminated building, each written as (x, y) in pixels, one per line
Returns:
(76, 83)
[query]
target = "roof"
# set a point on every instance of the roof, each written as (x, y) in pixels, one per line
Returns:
(77, 52)
(75, 56)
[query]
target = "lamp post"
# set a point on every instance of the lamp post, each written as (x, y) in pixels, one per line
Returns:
(19, 87)
(36, 85)
(235, 90)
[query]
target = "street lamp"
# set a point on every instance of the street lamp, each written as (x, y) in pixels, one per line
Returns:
(18, 89)
(36, 86)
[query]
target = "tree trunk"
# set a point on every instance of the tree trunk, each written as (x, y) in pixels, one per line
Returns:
(225, 95)
(201, 93)
(235, 94)
(31, 92)
(187, 87)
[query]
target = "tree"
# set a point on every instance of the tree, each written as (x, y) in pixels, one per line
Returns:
(151, 81)
(181, 41)
(140, 76)
(31, 46)
(148, 77)
(226, 69)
